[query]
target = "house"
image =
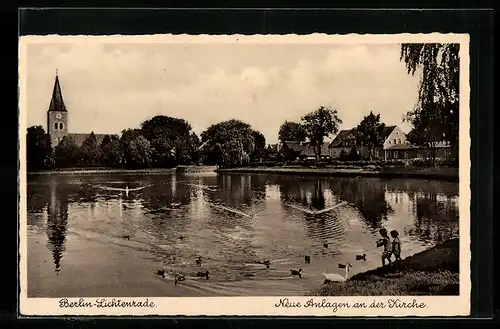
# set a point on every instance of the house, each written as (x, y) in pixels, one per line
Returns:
(395, 146)
(302, 150)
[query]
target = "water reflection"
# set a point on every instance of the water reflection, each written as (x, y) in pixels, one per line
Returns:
(425, 213)
(57, 222)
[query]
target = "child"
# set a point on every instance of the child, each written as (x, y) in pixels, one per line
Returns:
(386, 243)
(396, 245)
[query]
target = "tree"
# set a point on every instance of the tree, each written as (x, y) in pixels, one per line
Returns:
(228, 142)
(67, 153)
(139, 152)
(38, 148)
(112, 153)
(369, 132)
(259, 146)
(194, 144)
(90, 151)
(320, 124)
(291, 131)
(171, 138)
(437, 111)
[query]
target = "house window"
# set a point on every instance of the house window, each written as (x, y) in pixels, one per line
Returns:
(399, 141)
(55, 126)
(395, 142)
(396, 154)
(61, 125)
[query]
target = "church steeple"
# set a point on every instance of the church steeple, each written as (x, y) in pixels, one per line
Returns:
(57, 103)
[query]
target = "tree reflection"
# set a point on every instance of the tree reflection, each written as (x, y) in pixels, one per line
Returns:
(367, 195)
(436, 218)
(57, 222)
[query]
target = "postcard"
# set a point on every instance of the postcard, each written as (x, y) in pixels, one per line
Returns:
(266, 175)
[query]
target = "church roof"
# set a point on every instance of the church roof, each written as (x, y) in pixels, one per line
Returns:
(80, 138)
(57, 103)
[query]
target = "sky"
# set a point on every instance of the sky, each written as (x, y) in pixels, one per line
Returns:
(108, 87)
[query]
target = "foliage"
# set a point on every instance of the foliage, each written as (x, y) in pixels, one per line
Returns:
(436, 116)
(90, 151)
(139, 152)
(259, 151)
(369, 132)
(292, 131)
(38, 149)
(320, 124)
(67, 153)
(229, 143)
(112, 152)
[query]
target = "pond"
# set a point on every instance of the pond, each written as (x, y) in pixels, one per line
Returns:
(88, 238)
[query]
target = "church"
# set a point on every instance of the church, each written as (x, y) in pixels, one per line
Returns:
(57, 120)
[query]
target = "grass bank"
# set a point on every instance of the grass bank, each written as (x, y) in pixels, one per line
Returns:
(431, 272)
(438, 173)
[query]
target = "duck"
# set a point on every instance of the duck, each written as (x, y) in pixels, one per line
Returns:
(325, 245)
(126, 237)
(295, 272)
(203, 274)
(124, 206)
(179, 278)
(198, 261)
(249, 274)
(181, 238)
(361, 257)
(334, 277)
(266, 262)
(161, 273)
(307, 259)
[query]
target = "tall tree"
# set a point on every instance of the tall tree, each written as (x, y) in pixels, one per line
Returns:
(260, 146)
(112, 153)
(291, 131)
(169, 136)
(369, 132)
(38, 148)
(67, 153)
(229, 142)
(90, 150)
(437, 111)
(320, 124)
(140, 152)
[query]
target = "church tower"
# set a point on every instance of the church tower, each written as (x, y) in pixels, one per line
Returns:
(57, 116)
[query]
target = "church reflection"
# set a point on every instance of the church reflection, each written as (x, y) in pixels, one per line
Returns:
(57, 222)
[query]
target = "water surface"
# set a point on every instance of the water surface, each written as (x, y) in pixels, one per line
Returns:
(76, 228)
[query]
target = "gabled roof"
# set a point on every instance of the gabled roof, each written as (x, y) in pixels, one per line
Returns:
(341, 136)
(57, 102)
(80, 138)
(387, 131)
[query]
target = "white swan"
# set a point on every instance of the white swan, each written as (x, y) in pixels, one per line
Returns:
(316, 212)
(334, 277)
(126, 189)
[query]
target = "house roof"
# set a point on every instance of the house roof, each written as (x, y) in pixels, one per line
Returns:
(305, 148)
(79, 138)
(341, 136)
(57, 102)
(387, 131)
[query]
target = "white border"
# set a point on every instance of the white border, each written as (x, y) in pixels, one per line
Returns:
(261, 306)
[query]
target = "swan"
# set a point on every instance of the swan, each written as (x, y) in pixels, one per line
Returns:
(334, 277)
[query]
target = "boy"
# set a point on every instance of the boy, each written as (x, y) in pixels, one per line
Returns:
(396, 245)
(386, 243)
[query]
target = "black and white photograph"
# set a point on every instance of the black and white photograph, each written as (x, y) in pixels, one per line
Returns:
(322, 170)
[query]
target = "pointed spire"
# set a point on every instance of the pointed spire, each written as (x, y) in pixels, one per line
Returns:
(57, 103)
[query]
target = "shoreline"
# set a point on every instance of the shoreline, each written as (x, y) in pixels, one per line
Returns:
(448, 174)
(103, 170)
(434, 271)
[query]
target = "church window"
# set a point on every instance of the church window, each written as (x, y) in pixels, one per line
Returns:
(61, 125)
(55, 126)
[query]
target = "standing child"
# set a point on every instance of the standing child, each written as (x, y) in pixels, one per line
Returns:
(396, 245)
(386, 243)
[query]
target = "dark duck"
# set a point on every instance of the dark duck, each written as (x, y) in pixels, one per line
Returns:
(179, 278)
(295, 272)
(307, 259)
(198, 261)
(361, 257)
(203, 275)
